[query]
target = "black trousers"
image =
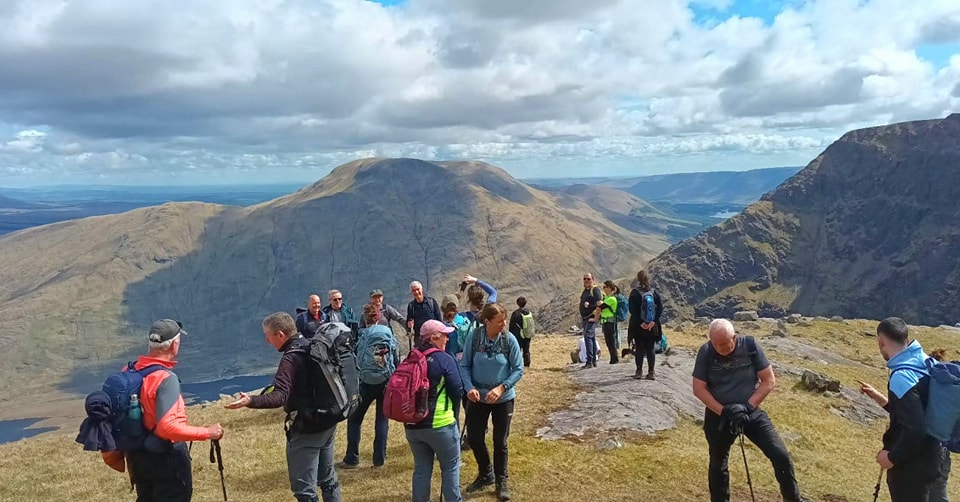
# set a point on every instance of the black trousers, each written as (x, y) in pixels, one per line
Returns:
(162, 477)
(645, 345)
(477, 416)
(525, 348)
(907, 486)
(610, 338)
(761, 432)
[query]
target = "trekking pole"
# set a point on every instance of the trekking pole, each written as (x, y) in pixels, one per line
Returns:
(747, 468)
(876, 490)
(215, 457)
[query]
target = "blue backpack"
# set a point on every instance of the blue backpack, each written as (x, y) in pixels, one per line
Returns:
(623, 307)
(375, 352)
(943, 403)
(648, 307)
(128, 431)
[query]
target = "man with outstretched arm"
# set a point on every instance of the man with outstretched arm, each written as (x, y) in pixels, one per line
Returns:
(732, 377)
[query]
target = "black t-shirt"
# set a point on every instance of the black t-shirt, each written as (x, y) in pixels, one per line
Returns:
(592, 297)
(731, 378)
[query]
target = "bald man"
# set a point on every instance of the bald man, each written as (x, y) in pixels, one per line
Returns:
(309, 322)
(732, 377)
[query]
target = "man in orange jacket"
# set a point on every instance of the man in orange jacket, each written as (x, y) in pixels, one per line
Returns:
(163, 472)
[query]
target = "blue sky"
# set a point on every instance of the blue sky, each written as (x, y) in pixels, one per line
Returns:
(285, 91)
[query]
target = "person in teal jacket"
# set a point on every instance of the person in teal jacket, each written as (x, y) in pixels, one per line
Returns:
(491, 366)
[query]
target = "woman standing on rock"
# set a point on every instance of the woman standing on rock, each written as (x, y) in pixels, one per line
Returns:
(608, 318)
(644, 328)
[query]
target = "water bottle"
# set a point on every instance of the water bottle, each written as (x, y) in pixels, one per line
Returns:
(135, 411)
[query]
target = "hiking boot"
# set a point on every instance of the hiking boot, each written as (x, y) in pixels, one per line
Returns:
(587, 366)
(650, 376)
(594, 364)
(638, 374)
(482, 481)
(615, 361)
(345, 465)
(503, 489)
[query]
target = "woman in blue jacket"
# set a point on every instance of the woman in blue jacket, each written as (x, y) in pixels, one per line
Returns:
(491, 366)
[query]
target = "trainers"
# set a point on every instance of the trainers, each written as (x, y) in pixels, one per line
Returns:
(503, 489)
(482, 481)
(345, 465)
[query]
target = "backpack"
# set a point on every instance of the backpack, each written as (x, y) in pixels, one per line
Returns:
(129, 433)
(332, 380)
(527, 326)
(375, 350)
(407, 396)
(661, 345)
(479, 335)
(623, 307)
(648, 307)
(943, 402)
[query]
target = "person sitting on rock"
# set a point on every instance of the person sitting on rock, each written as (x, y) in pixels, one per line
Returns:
(732, 377)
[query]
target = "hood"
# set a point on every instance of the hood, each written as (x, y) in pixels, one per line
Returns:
(907, 367)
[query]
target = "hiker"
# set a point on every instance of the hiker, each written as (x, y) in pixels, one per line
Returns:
(589, 299)
(420, 310)
(377, 359)
(912, 457)
(579, 355)
(644, 330)
(387, 312)
(732, 377)
(309, 439)
(518, 319)
(491, 367)
(478, 293)
(437, 435)
(162, 471)
(607, 312)
(309, 322)
(336, 311)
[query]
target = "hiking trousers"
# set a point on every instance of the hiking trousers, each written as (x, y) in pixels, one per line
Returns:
(477, 416)
(610, 338)
(162, 477)
(368, 394)
(444, 445)
(590, 341)
(310, 465)
(761, 432)
(938, 491)
(645, 348)
(525, 348)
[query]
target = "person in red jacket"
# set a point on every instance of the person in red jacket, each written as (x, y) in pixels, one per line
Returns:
(163, 472)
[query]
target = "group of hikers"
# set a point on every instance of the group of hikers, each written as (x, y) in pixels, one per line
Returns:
(335, 365)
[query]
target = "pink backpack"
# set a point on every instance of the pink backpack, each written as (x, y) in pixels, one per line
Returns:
(408, 390)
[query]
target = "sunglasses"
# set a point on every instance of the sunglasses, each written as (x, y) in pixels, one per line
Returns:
(336, 299)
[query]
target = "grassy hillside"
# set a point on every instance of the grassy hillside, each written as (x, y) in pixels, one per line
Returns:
(834, 456)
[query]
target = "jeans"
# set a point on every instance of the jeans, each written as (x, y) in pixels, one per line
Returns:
(938, 491)
(368, 394)
(525, 348)
(310, 463)
(610, 338)
(477, 416)
(761, 432)
(444, 443)
(590, 340)
(162, 477)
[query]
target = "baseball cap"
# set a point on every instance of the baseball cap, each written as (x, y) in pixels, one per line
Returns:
(432, 327)
(449, 299)
(376, 292)
(164, 330)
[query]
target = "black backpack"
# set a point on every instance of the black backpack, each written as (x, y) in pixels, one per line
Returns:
(332, 390)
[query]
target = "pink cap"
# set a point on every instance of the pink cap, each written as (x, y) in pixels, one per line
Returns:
(432, 327)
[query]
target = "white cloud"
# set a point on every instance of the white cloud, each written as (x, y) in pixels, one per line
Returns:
(300, 84)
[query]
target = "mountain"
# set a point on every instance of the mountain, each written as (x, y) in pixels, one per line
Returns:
(7, 203)
(718, 187)
(868, 229)
(77, 296)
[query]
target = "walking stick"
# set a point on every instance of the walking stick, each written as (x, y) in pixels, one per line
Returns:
(215, 457)
(876, 490)
(747, 468)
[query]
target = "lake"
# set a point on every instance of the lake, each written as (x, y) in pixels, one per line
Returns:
(15, 430)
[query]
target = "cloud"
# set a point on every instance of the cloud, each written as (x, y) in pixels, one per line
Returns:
(296, 84)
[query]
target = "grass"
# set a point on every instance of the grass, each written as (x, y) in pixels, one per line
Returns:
(833, 456)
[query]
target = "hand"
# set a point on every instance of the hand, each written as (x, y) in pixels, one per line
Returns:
(474, 396)
(872, 393)
(494, 395)
(592, 319)
(736, 416)
(586, 305)
(647, 326)
(469, 279)
(459, 356)
(409, 325)
(215, 431)
(242, 402)
(883, 458)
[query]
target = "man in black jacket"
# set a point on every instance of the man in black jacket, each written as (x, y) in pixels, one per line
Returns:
(516, 328)
(590, 297)
(912, 458)
(309, 443)
(309, 321)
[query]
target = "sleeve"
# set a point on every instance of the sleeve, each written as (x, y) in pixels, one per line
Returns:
(301, 324)
(436, 310)
(910, 417)
(452, 379)
(282, 382)
(393, 315)
(409, 311)
(659, 306)
(760, 361)
(633, 304)
(597, 295)
(516, 364)
(171, 414)
(466, 363)
(489, 290)
(516, 322)
(702, 363)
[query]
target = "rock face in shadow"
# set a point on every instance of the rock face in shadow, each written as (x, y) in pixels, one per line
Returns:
(875, 213)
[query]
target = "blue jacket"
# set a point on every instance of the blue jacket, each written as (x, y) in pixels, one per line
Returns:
(490, 367)
(910, 447)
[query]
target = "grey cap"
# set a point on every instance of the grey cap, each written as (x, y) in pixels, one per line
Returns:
(165, 330)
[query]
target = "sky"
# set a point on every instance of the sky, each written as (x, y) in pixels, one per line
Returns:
(220, 91)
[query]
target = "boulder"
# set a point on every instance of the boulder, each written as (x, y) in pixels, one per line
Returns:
(818, 382)
(746, 315)
(794, 318)
(779, 333)
(836, 318)
(704, 321)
